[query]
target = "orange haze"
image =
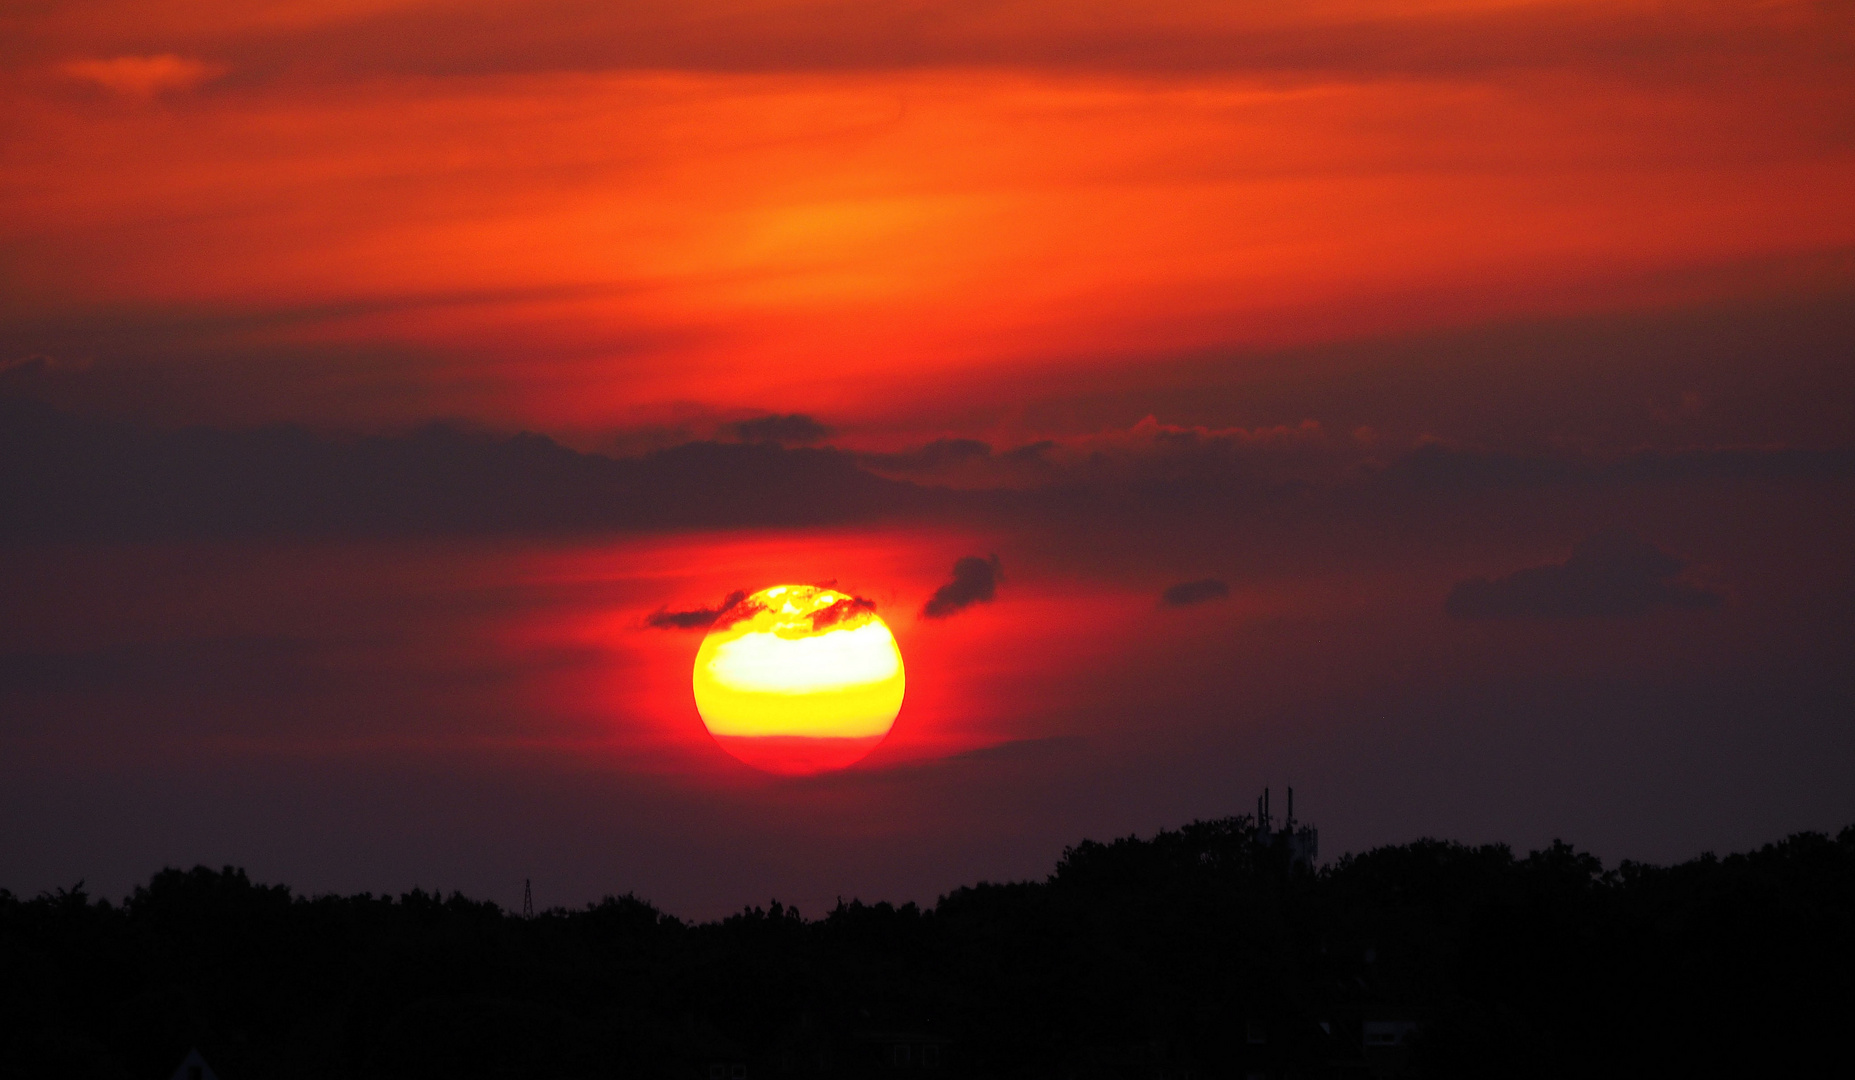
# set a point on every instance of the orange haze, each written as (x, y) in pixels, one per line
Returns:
(576, 215)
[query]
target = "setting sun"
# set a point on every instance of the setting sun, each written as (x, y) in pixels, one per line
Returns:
(799, 679)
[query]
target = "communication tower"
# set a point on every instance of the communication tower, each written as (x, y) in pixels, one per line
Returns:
(1302, 841)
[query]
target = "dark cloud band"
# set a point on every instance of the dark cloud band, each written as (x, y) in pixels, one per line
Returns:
(791, 428)
(1611, 574)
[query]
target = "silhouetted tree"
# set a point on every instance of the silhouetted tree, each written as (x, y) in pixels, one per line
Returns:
(1202, 949)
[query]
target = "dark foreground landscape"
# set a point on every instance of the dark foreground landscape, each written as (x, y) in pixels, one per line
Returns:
(1199, 953)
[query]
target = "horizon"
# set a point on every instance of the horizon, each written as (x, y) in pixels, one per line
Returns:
(1242, 823)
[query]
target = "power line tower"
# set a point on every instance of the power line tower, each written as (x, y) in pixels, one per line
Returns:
(528, 899)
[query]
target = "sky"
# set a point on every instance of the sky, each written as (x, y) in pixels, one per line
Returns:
(1445, 408)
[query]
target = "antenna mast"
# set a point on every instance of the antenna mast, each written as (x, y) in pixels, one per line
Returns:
(528, 899)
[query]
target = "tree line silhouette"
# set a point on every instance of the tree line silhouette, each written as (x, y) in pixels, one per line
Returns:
(1202, 952)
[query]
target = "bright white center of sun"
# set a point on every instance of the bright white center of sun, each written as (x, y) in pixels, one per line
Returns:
(834, 660)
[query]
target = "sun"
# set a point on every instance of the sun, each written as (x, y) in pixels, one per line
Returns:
(799, 679)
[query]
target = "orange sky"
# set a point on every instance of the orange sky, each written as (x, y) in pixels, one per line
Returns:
(578, 215)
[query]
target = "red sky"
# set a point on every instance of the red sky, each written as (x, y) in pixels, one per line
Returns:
(576, 216)
(1341, 304)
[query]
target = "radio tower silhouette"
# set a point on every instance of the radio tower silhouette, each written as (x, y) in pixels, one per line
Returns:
(528, 899)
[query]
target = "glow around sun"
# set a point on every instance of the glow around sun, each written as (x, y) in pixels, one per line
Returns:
(799, 679)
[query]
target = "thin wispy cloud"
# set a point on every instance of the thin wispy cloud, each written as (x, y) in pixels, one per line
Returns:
(143, 76)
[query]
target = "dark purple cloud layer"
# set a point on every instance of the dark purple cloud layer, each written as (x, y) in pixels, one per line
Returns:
(1360, 40)
(73, 478)
(1612, 574)
(788, 428)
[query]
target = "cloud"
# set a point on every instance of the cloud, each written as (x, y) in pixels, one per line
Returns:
(1155, 456)
(1374, 37)
(975, 581)
(1029, 451)
(21, 373)
(143, 76)
(791, 428)
(1146, 455)
(1194, 592)
(1439, 468)
(696, 619)
(1610, 574)
(848, 607)
(968, 464)
(939, 454)
(733, 609)
(65, 477)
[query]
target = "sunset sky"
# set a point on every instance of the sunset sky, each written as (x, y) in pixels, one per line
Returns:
(1447, 408)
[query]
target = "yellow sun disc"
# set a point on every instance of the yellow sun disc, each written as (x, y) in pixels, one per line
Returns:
(799, 679)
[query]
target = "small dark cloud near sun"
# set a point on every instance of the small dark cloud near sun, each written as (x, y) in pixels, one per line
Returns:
(787, 429)
(975, 581)
(843, 609)
(1611, 574)
(697, 619)
(1186, 593)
